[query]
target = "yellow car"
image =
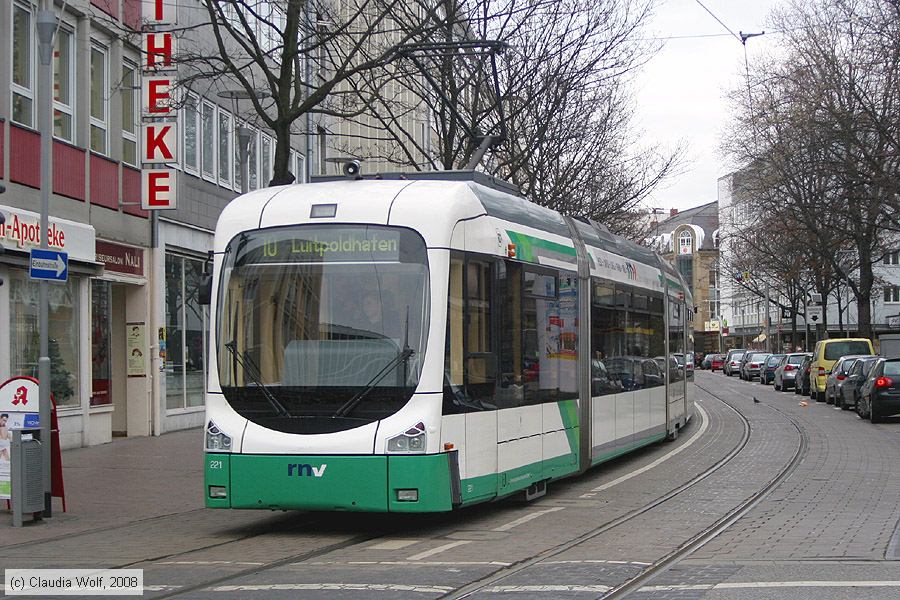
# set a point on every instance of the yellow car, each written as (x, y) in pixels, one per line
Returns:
(826, 353)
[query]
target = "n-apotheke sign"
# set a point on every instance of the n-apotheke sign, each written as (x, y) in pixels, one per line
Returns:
(22, 231)
(159, 139)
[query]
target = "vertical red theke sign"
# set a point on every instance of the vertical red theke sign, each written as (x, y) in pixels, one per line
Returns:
(159, 139)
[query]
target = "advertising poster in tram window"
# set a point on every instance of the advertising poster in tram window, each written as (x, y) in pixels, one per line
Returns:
(568, 334)
(137, 362)
(18, 409)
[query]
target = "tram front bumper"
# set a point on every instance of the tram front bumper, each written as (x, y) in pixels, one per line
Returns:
(402, 483)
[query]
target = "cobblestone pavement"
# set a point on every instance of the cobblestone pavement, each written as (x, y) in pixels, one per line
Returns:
(832, 523)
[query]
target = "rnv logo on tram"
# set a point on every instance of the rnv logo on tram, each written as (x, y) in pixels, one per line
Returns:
(307, 470)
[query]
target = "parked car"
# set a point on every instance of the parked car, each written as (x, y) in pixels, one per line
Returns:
(801, 381)
(733, 362)
(718, 362)
(751, 364)
(767, 370)
(836, 378)
(787, 370)
(879, 396)
(707, 361)
(826, 353)
(856, 377)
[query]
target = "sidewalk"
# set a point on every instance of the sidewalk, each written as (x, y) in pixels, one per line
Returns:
(122, 482)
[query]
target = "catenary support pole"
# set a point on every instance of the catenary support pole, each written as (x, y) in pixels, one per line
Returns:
(46, 27)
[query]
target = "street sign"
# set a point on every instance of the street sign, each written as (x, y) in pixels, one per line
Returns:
(814, 314)
(50, 265)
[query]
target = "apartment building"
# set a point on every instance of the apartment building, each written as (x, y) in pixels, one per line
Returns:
(128, 335)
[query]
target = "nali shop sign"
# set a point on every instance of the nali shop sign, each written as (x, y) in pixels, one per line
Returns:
(159, 139)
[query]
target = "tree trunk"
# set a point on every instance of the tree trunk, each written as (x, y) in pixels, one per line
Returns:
(281, 173)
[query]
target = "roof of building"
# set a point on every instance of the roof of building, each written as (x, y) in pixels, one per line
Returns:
(705, 216)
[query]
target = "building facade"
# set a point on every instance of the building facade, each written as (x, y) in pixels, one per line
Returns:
(128, 335)
(690, 241)
(745, 311)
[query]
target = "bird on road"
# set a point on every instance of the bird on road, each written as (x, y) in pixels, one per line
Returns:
(755, 401)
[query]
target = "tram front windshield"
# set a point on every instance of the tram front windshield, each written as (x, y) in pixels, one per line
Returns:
(322, 328)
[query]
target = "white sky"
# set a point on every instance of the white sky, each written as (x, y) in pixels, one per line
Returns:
(680, 93)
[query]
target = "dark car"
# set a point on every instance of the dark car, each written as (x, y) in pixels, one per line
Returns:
(751, 364)
(837, 376)
(707, 361)
(801, 381)
(879, 396)
(856, 377)
(767, 370)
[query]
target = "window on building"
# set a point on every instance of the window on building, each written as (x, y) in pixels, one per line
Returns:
(24, 337)
(892, 294)
(300, 171)
(686, 268)
(63, 79)
(892, 258)
(685, 243)
(186, 325)
(224, 148)
(129, 95)
(208, 140)
(22, 67)
(191, 134)
(322, 136)
(101, 348)
(265, 161)
(99, 99)
(236, 146)
(253, 160)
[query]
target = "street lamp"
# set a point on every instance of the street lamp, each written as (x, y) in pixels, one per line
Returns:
(45, 23)
(243, 133)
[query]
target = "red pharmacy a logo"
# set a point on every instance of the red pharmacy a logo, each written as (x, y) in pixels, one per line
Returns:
(21, 395)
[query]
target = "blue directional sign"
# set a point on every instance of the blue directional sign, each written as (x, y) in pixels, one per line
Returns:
(49, 264)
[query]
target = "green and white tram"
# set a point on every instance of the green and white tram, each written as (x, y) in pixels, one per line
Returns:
(422, 343)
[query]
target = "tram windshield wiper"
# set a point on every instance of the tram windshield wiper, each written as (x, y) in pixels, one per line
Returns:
(401, 358)
(251, 370)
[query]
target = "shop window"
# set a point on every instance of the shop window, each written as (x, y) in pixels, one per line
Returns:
(63, 80)
(186, 326)
(101, 384)
(63, 342)
(99, 99)
(23, 64)
(130, 109)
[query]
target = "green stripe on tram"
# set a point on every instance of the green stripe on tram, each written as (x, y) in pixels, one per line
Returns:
(526, 246)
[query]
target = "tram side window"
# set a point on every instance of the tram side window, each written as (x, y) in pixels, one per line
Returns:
(645, 339)
(481, 367)
(511, 391)
(470, 363)
(608, 321)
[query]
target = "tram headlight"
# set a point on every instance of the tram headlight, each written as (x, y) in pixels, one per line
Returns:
(411, 441)
(216, 439)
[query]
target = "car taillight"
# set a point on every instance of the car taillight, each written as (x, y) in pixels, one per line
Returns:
(882, 382)
(841, 377)
(821, 371)
(789, 367)
(752, 365)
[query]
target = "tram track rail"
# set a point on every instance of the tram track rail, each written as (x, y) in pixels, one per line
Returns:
(684, 550)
